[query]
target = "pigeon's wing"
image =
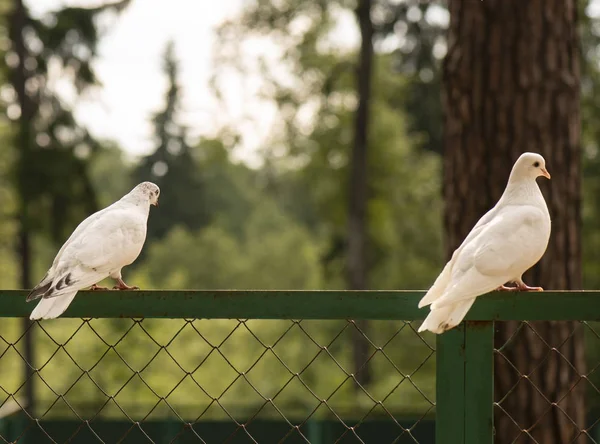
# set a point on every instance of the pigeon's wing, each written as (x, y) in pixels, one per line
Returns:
(504, 249)
(115, 239)
(513, 243)
(47, 281)
(445, 318)
(441, 283)
(481, 224)
(470, 285)
(80, 230)
(107, 244)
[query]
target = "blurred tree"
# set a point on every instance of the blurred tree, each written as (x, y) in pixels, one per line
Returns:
(315, 173)
(51, 167)
(412, 31)
(404, 203)
(52, 185)
(8, 227)
(503, 98)
(172, 166)
(415, 31)
(232, 190)
(590, 113)
(249, 244)
(357, 208)
(214, 259)
(110, 161)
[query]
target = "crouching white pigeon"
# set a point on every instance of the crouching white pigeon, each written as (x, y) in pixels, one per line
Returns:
(507, 241)
(100, 246)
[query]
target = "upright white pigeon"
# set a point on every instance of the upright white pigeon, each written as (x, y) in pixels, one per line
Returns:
(507, 241)
(100, 246)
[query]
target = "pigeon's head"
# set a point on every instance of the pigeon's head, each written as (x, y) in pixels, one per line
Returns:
(147, 191)
(530, 165)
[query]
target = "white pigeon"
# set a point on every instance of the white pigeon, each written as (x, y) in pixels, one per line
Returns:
(100, 246)
(507, 241)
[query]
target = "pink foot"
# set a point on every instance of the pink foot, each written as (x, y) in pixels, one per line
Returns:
(524, 287)
(121, 285)
(505, 288)
(97, 287)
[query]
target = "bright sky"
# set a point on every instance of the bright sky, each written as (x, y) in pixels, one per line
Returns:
(129, 68)
(133, 85)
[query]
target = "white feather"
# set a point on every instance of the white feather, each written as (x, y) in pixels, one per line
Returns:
(507, 241)
(100, 246)
(446, 318)
(50, 308)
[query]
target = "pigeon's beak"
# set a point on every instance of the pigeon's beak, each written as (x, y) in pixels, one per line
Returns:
(155, 203)
(545, 173)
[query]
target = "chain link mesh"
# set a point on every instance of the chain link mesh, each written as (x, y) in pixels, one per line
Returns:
(548, 367)
(194, 373)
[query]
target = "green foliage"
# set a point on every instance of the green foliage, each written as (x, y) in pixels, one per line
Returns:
(172, 166)
(51, 172)
(109, 162)
(216, 259)
(307, 160)
(414, 33)
(8, 225)
(590, 113)
(231, 190)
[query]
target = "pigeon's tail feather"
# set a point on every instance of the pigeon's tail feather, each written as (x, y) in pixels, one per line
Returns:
(50, 308)
(438, 287)
(51, 287)
(40, 289)
(445, 318)
(61, 293)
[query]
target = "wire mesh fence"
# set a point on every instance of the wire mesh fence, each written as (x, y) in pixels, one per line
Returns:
(279, 377)
(146, 368)
(549, 367)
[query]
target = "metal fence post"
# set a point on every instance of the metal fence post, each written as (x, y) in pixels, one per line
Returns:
(465, 384)
(450, 387)
(479, 382)
(314, 431)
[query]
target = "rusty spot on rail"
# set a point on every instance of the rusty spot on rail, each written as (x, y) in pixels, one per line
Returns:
(478, 324)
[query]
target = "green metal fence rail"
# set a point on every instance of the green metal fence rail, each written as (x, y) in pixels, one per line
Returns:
(464, 401)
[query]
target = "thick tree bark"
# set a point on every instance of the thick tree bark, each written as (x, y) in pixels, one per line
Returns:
(357, 220)
(512, 85)
(18, 79)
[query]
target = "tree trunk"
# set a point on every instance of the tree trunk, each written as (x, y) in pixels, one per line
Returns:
(19, 77)
(357, 220)
(511, 84)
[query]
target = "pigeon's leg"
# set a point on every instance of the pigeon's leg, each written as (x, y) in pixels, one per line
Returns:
(505, 288)
(121, 285)
(97, 287)
(524, 287)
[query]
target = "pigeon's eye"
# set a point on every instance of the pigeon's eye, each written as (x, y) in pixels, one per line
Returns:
(536, 164)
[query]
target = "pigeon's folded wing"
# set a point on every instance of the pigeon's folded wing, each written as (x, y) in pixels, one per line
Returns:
(115, 238)
(507, 245)
(441, 283)
(79, 230)
(108, 243)
(56, 274)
